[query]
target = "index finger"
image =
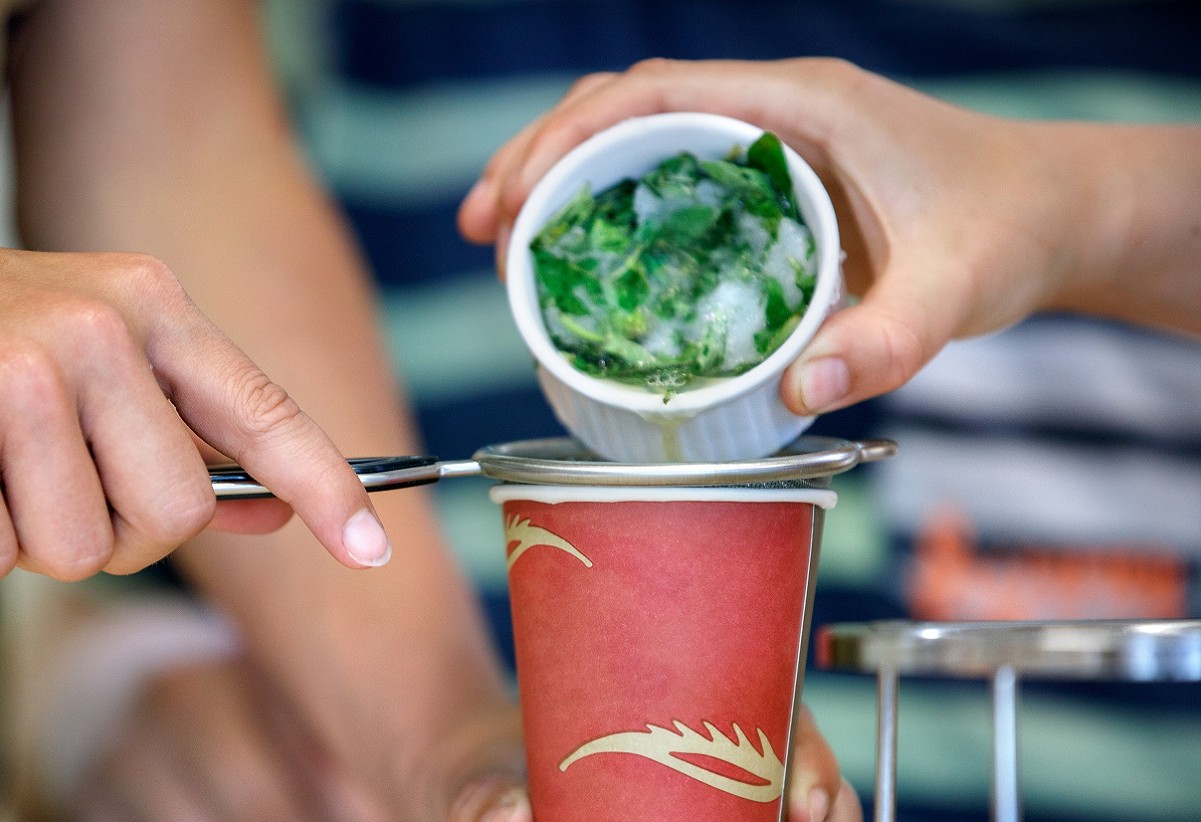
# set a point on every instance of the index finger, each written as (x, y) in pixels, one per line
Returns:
(233, 405)
(597, 102)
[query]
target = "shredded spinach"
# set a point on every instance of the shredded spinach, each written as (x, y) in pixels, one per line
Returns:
(699, 269)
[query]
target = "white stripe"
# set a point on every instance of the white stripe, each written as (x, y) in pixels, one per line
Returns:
(455, 339)
(1075, 374)
(428, 143)
(554, 494)
(1115, 96)
(1018, 491)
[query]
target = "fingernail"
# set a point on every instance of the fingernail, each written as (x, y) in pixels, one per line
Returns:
(365, 540)
(824, 383)
(819, 805)
(514, 806)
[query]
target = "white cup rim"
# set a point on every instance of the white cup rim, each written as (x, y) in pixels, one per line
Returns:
(555, 494)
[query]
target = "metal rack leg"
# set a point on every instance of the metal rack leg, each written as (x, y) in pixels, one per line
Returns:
(1155, 650)
(886, 745)
(1006, 805)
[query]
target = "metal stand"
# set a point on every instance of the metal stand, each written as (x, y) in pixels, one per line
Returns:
(886, 745)
(1006, 804)
(1001, 652)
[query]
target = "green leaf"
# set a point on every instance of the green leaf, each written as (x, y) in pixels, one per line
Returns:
(631, 289)
(767, 341)
(687, 225)
(558, 280)
(744, 183)
(777, 311)
(608, 236)
(712, 348)
(580, 331)
(608, 282)
(573, 214)
(767, 155)
(633, 354)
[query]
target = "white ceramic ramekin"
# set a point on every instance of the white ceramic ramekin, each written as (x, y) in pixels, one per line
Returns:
(735, 418)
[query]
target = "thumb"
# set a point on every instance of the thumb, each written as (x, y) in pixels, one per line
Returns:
(229, 402)
(817, 792)
(492, 800)
(870, 348)
(481, 771)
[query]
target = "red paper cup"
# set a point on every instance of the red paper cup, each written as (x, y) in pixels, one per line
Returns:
(660, 636)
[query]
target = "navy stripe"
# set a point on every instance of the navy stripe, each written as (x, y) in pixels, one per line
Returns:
(914, 806)
(414, 245)
(455, 429)
(399, 45)
(495, 605)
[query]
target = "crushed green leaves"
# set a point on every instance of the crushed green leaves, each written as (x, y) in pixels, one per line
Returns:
(699, 269)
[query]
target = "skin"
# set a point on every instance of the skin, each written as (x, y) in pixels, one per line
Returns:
(390, 668)
(361, 695)
(954, 223)
(113, 384)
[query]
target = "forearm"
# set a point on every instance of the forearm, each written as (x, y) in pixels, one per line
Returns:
(178, 148)
(372, 655)
(1141, 251)
(383, 664)
(390, 655)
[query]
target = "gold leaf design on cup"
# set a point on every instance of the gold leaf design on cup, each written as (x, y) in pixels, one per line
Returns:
(527, 536)
(667, 747)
